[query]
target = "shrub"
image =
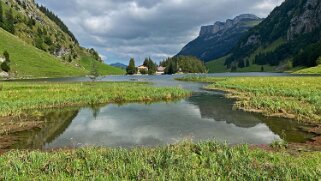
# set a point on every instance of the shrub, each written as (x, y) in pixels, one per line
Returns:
(5, 66)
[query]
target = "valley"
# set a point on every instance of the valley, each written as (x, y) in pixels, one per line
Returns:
(111, 90)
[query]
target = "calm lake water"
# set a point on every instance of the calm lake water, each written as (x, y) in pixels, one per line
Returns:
(204, 116)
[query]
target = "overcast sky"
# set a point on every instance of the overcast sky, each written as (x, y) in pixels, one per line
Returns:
(120, 29)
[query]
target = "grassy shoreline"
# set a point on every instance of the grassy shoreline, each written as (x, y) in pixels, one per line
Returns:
(184, 161)
(15, 98)
(22, 105)
(292, 97)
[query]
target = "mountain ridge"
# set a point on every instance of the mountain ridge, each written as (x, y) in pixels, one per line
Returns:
(297, 23)
(218, 39)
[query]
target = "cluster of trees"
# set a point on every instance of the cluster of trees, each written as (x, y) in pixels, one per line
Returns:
(7, 20)
(131, 69)
(310, 56)
(151, 65)
(184, 64)
(95, 54)
(43, 38)
(5, 66)
(148, 62)
(58, 21)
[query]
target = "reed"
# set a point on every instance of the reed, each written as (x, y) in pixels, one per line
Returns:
(184, 161)
(293, 97)
(16, 98)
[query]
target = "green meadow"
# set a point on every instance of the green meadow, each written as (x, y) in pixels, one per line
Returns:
(184, 161)
(29, 62)
(292, 97)
(15, 98)
(312, 70)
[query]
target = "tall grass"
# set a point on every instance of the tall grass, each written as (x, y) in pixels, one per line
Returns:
(295, 97)
(15, 98)
(185, 161)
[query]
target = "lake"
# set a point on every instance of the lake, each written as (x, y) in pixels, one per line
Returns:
(206, 115)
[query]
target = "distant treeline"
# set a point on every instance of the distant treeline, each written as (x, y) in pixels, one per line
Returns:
(183, 64)
(177, 64)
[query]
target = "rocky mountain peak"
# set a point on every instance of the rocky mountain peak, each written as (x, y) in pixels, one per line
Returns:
(218, 39)
(229, 23)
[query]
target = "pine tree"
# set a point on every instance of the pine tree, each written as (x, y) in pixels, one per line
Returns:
(5, 66)
(131, 69)
(94, 71)
(1, 14)
(241, 63)
(247, 63)
(9, 23)
(6, 56)
(146, 62)
(152, 67)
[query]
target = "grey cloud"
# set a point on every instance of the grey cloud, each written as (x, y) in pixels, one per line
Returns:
(120, 29)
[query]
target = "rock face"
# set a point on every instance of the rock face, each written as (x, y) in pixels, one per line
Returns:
(60, 52)
(224, 26)
(4, 74)
(296, 24)
(307, 21)
(218, 39)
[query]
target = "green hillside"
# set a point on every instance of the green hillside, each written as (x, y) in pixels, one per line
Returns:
(28, 61)
(312, 70)
(217, 66)
(292, 34)
(41, 45)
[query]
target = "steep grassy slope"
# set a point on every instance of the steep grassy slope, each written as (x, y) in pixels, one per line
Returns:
(57, 52)
(28, 61)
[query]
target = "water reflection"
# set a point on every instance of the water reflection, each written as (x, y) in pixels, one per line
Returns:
(55, 122)
(205, 115)
(200, 117)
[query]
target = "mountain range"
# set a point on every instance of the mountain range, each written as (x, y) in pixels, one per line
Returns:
(119, 65)
(289, 38)
(216, 40)
(289, 35)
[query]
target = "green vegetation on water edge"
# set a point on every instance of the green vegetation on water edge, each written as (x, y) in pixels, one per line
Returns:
(293, 97)
(15, 98)
(184, 161)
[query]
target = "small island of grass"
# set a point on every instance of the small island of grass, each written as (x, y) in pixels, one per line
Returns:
(15, 98)
(292, 97)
